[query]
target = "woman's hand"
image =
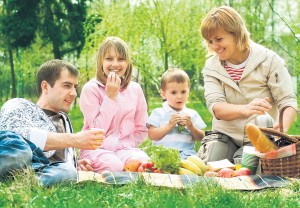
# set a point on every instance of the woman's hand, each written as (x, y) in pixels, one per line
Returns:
(257, 106)
(113, 85)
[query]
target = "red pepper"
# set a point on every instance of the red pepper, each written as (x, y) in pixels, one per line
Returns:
(157, 171)
(146, 167)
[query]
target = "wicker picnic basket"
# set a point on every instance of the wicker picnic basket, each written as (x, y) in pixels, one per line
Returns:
(286, 166)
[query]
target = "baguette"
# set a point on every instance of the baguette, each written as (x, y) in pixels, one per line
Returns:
(259, 140)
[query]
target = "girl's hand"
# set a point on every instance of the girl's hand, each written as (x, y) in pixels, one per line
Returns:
(85, 165)
(257, 106)
(113, 85)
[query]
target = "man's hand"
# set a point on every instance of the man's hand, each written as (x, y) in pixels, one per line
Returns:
(89, 139)
(85, 165)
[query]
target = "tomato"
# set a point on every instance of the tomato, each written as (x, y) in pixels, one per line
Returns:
(148, 167)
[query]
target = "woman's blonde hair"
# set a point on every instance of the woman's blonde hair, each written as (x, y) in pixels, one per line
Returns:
(228, 19)
(122, 49)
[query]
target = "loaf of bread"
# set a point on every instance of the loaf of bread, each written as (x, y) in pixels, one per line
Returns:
(259, 140)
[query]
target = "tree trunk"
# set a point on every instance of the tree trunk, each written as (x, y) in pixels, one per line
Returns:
(166, 60)
(13, 78)
(56, 50)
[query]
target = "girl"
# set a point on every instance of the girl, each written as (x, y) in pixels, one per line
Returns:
(117, 105)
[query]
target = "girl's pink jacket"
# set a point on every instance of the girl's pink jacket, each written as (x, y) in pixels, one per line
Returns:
(123, 120)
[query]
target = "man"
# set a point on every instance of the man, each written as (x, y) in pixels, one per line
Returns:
(47, 142)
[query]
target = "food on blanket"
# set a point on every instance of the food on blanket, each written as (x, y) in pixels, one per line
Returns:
(157, 171)
(148, 167)
(226, 173)
(184, 171)
(259, 140)
(218, 165)
(165, 159)
(198, 161)
(190, 166)
(243, 172)
(210, 174)
(132, 164)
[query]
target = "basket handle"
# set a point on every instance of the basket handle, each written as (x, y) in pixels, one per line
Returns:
(281, 116)
(279, 134)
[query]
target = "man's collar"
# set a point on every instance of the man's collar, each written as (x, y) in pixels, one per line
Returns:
(49, 112)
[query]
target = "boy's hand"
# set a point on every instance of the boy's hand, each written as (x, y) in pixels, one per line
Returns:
(186, 121)
(175, 118)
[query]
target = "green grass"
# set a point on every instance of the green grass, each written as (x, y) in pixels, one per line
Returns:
(23, 191)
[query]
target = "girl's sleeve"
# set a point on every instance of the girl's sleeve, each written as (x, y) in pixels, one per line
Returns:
(98, 109)
(141, 115)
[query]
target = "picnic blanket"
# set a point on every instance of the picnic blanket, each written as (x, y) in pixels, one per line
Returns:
(252, 182)
(281, 153)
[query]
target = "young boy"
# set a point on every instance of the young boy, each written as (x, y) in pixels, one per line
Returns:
(174, 125)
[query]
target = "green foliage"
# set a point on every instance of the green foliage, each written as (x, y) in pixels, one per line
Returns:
(165, 159)
(76, 118)
(18, 22)
(61, 24)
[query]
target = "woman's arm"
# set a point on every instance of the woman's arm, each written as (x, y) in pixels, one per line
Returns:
(228, 112)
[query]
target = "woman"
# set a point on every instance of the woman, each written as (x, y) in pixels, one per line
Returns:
(242, 80)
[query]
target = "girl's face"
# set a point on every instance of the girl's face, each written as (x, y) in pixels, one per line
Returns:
(224, 45)
(176, 94)
(113, 61)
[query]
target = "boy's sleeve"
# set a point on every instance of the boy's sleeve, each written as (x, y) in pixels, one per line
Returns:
(153, 118)
(198, 121)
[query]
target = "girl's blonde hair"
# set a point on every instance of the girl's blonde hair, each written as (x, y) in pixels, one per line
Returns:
(122, 49)
(174, 75)
(228, 19)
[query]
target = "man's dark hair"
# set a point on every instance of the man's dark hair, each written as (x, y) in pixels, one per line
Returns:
(51, 70)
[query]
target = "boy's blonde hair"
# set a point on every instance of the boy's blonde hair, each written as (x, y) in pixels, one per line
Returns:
(228, 19)
(122, 49)
(174, 75)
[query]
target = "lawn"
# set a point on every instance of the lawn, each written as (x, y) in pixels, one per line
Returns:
(22, 190)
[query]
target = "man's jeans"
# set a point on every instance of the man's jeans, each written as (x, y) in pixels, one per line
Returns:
(16, 152)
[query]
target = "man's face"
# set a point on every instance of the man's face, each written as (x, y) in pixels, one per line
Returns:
(61, 96)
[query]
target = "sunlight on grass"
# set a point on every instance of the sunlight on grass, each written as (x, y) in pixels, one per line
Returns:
(23, 191)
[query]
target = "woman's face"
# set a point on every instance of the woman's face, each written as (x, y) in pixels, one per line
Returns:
(114, 62)
(224, 45)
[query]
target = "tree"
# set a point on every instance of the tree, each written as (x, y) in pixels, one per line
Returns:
(18, 24)
(61, 24)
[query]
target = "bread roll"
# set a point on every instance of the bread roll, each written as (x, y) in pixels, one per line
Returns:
(259, 140)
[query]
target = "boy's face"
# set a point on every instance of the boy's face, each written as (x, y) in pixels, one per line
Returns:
(176, 94)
